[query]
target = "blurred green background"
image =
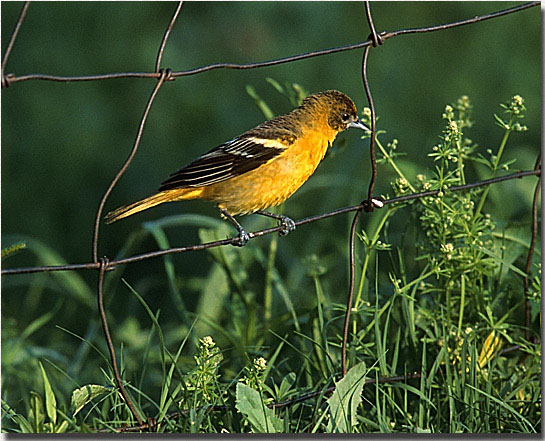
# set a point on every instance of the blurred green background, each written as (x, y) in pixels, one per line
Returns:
(62, 143)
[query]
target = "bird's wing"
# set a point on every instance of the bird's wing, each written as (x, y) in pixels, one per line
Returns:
(235, 157)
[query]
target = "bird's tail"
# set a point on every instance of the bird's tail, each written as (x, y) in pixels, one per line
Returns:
(159, 198)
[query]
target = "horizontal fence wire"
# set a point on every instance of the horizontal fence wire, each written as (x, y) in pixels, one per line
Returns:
(163, 75)
(259, 233)
(11, 78)
(152, 423)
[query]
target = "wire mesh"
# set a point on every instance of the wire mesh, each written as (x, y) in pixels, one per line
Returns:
(367, 206)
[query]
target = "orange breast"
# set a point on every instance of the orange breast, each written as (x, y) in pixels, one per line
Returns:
(273, 182)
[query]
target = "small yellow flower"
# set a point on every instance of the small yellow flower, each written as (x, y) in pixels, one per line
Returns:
(207, 341)
(447, 249)
(260, 363)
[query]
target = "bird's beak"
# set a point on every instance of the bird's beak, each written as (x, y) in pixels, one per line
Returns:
(357, 124)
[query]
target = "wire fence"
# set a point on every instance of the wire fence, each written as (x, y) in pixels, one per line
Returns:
(368, 205)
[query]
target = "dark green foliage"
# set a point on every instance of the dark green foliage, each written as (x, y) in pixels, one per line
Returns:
(206, 340)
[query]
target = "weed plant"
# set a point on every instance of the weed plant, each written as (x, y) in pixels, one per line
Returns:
(438, 292)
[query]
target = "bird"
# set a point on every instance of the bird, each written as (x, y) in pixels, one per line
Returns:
(260, 168)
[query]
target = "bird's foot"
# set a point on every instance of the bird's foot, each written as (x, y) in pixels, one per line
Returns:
(287, 224)
(241, 239)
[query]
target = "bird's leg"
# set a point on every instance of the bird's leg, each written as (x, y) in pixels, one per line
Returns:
(286, 223)
(242, 237)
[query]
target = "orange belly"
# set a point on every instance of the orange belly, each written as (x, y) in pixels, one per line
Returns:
(271, 183)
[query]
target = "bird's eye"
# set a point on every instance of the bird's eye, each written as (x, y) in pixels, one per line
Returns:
(345, 117)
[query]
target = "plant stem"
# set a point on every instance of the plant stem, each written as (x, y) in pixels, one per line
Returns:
(462, 301)
(267, 301)
(495, 167)
(368, 256)
(393, 164)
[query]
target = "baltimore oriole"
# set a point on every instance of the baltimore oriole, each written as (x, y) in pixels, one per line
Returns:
(262, 167)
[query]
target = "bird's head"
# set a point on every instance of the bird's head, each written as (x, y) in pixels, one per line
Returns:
(341, 110)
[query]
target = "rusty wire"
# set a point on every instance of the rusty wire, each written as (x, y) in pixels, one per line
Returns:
(12, 40)
(259, 233)
(165, 37)
(163, 75)
(368, 205)
(152, 423)
(109, 342)
(10, 79)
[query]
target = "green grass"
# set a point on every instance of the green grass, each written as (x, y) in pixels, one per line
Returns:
(438, 292)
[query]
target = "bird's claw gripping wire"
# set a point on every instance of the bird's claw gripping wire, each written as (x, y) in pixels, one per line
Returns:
(286, 223)
(243, 237)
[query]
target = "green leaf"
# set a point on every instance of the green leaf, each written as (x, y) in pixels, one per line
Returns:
(259, 102)
(287, 382)
(344, 402)
(36, 414)
(71, 283)
(12, 249)
(38, 323)
(501, 122)
(50, 400)
(227, 254)
(250, 404)
(22, 422)
(160, 237)
(276, 85)
(154, 320)
(83, 395)
(62, 428)
(504, 405)
(212, 300)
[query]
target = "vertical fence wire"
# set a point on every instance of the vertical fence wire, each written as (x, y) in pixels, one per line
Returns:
(22, 15)
(166, 35)
(109, 342)
(103, 264)
(368, 205)
(165, 74)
